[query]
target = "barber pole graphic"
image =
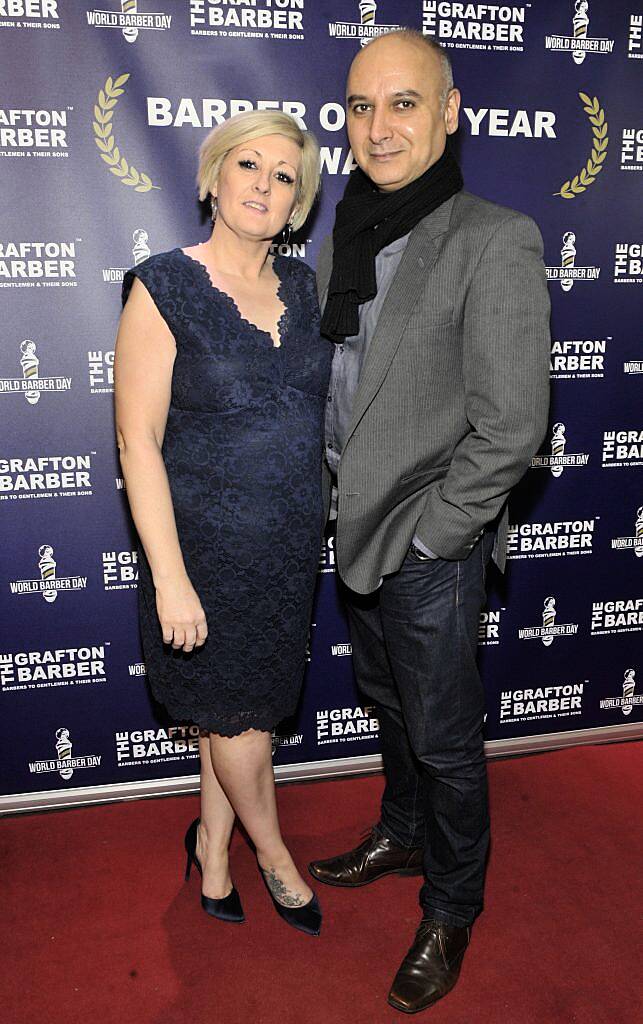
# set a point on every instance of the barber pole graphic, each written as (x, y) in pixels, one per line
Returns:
(580, 24)
(628, 691)
(131, 7)
(549, 617)
(558, 443)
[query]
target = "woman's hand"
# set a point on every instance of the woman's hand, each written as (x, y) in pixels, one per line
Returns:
(181, 615)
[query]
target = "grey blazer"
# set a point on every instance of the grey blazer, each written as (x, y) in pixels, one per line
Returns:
(453, 396)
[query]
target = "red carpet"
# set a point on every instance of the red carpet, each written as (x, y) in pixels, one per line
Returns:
(98, 926)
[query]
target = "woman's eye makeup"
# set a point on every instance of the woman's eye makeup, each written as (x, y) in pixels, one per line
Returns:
(283, 176)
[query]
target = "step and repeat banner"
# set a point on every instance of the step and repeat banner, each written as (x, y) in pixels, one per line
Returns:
(102, 111)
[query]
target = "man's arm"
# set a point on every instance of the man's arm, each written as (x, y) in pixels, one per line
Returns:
(506, 352)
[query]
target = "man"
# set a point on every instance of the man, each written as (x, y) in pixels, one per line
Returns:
(438, 303)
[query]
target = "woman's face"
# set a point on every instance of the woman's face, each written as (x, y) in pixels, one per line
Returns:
(257, 186)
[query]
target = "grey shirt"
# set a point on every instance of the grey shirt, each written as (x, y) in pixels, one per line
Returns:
(350, 354)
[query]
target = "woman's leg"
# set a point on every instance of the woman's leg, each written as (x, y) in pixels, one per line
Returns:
(243, 766)
(217, 822)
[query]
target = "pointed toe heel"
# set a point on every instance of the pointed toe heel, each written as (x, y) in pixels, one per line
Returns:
(228, 908)
(306, 919)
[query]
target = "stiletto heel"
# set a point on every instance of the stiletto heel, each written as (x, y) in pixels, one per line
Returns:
(306, 919)
(228, 908)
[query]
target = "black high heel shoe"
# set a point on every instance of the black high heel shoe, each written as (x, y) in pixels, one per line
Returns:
(228, 908)
(306, 919)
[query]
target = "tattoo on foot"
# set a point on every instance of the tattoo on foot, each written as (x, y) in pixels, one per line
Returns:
(281, 892)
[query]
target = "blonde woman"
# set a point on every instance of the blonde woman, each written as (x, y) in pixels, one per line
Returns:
(221, 376)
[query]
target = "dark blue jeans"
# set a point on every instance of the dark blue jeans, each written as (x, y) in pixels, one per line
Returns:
(414, 652)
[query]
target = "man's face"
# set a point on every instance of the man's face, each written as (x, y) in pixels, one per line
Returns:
(396, 125)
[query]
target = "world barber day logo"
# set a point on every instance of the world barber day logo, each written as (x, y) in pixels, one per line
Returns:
(32, 384)
(129, 17)
(568, 273)
(64, 763)
(366, 28)
(103, 128)
(549, 629)
(633, 542)
(560, 459)
(628, 698)
(580, 44)
(49, 584)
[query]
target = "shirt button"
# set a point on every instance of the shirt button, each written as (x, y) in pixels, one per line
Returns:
(329, 399)
(330, 446)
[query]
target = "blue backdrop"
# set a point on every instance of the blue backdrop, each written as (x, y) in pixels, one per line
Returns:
(102, 112)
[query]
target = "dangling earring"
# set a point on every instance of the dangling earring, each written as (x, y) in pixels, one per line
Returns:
(214, 206)
(285, 237)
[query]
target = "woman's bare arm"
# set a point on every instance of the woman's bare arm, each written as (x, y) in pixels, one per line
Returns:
(143, 362)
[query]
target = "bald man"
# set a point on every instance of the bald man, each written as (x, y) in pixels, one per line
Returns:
(437, 302)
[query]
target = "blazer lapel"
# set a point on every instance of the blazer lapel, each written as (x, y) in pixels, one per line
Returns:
(416, 264)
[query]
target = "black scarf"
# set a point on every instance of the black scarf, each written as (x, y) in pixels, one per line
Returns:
(367, 220)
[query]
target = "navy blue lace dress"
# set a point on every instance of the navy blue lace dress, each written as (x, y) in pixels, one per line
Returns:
(243, 452)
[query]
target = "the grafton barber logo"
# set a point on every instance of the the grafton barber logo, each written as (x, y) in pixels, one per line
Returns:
(129, 17)
(32, 383)
(465, 26)
(343, 725)
(100, 366)
(559, 458)
(38, 264)
(369, 25)
(248, 19)
(49, 584)
(65, 666)
(632, 149)
(489, 628)
(580, 359)
(120, 570)
(137, 668)
(549, 629)
(46, 476)
(140, 251)
(500, 121)
(529, 705)
(635, 541)
(551, 539)
(64, 763)
(33, 133)
(622, 448)
(628, 264)
(341, 650)
(29, 14)
(634, 48)
(327, 556)
(579, 43)
(628, 699)
(157, 746)
(567, 273)
(623, 616)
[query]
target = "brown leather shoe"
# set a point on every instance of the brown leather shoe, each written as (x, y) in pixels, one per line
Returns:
(375, 857)
(431, 967)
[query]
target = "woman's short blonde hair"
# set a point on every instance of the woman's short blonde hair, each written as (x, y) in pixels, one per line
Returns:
(253, 124)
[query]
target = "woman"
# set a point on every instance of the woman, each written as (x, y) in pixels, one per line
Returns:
(220, 377)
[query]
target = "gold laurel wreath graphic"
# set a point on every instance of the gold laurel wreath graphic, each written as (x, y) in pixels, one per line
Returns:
(594, 165)
(104, 138)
